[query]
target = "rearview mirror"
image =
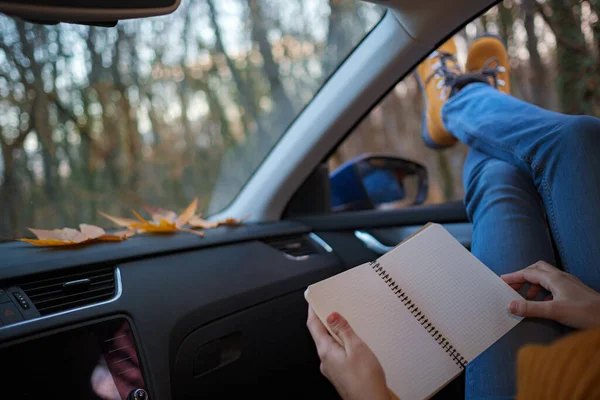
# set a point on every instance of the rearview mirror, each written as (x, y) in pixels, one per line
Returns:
(373, 181)
(86, 11)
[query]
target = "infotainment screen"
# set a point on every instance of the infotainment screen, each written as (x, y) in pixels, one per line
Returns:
(97, 361)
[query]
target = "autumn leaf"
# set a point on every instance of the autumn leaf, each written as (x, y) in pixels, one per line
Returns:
(69, 237)
(187, 214)
(198, 222)
(125, 222)
(160, 213)
(167, 221)
(162, 226)
(163, 221)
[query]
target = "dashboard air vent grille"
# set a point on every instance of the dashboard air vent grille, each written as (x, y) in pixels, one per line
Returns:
(63, 290)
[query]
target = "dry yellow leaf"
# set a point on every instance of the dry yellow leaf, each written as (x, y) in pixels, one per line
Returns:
(187, 214)
(70, 237)
(202, 223)
(167, 221)
(163, 221)
(127, 233)
(125, 222)
(158, 213)
(198, 222)
(199, 233)
(162, 226)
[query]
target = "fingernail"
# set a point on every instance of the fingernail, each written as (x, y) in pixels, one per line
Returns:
(514, 307)
(333, 318)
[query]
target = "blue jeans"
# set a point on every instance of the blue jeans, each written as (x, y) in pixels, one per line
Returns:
(532, 182)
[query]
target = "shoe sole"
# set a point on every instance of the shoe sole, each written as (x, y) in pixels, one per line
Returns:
(425, 136)
(491, 35)
(494, 36)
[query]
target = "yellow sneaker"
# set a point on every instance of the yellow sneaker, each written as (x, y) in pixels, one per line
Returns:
(436, 75)
(488, 58)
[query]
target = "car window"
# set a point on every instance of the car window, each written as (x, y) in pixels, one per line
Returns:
(157, 111)
(552, 47)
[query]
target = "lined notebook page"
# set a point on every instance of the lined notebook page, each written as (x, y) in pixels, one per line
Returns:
(459, 294)
(414, 364)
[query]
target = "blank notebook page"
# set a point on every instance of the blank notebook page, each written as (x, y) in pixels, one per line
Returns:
(465, 300)
(414, 363)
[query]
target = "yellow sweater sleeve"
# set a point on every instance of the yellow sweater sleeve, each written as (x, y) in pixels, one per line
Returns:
(567, 369)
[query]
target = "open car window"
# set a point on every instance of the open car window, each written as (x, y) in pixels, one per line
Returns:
(547, 69)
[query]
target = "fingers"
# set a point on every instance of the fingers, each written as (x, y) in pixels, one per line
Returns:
(514, 279)
(541, 277)
(534, 309)
(319, 333)
(544, 266)
(516, 286)
(533, 291)
(517, 277)
(539, 273)
(342, 329)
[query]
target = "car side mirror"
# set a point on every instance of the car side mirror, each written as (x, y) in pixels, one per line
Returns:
(374, 181)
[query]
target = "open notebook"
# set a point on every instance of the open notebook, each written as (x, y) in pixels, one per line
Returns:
(426, 309)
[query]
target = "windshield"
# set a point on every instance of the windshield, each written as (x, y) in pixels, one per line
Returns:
(157, 111)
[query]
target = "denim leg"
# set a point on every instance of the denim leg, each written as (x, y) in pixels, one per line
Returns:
(558, 152)
(509, 233)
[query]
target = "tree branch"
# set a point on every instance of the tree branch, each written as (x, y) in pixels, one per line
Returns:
(54, 98)
(565, 42)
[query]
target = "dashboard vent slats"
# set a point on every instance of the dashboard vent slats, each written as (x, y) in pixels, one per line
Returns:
(59, 291)
(294, 246)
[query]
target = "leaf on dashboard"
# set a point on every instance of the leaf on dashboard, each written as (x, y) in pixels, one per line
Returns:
(125, 222)
(198, 222)
(167, 221)
(69, 236)
(158, 213)
(163, 220)
(187, 214)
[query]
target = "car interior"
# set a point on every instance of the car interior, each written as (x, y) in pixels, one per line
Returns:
(179, 317)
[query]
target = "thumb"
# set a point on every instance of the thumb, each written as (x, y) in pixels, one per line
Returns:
(341, 328)
(535, 309)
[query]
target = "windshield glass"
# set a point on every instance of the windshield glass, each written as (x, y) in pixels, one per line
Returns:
(157, 111)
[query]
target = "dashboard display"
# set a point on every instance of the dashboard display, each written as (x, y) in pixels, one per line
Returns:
(96, 362)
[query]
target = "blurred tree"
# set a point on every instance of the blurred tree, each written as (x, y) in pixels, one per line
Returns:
(538, 73)
(576, 65)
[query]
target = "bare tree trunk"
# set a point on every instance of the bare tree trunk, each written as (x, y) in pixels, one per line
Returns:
(538, 72)
(183, 93)
(128, 113)
(284, 110)
(10, 191)
(506, 21)
(245, 91)
(573, 60)
(447, 178)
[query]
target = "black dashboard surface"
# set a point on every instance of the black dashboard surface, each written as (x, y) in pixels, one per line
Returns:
(18, 259)
(178, 287)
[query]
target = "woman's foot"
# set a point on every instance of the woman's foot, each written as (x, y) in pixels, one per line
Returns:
(437, 75)
(488, 58)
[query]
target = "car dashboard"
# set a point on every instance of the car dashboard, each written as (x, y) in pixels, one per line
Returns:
(180, 317)
(166, 318)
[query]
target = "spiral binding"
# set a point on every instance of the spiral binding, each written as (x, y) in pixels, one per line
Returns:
(419, 315)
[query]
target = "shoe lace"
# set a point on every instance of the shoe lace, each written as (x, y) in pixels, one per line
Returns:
(443, 72)
(491, 69)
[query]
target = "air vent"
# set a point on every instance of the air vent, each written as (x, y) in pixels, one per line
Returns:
(294, 246)
(59, 291)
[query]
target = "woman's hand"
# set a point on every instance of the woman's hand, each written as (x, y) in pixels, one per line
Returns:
(352, 367)
(572, 303)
